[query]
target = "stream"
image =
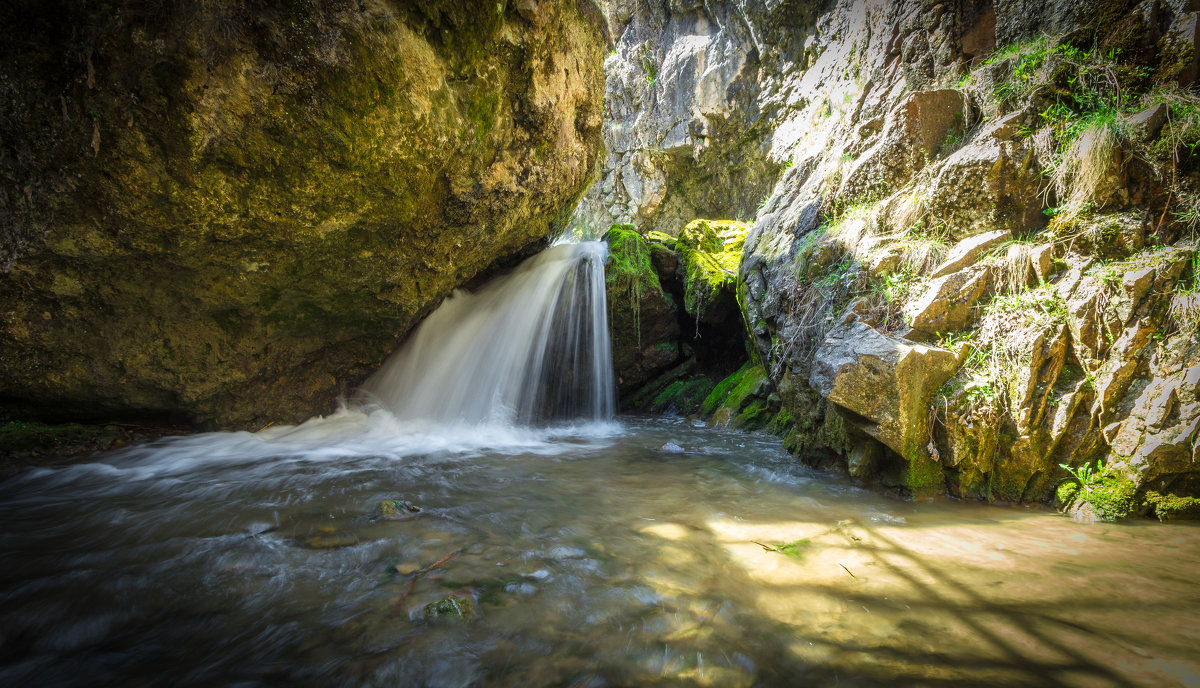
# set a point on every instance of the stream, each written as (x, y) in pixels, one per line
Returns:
(585, 555)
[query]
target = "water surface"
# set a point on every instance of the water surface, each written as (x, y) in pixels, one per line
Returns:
(592, 558)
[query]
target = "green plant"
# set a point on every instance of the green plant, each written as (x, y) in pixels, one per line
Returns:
(1184, 310)
(1084, 475)
(650, 69)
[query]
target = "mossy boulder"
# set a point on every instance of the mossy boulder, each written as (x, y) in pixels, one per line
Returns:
(453, 607)
(230, 212)
(742, 399)
(711, 253)
(1107, 496)
(1171, 507)
(643, 318)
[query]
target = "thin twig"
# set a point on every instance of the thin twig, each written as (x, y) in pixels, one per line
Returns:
(848, 570)
(417, 574)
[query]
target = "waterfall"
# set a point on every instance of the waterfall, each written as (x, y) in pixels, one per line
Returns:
(528, 348)
(520, 365)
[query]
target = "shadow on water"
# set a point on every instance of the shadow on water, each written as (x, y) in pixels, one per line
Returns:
(599, 563)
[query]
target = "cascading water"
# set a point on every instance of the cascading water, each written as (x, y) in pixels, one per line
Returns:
(530, 347)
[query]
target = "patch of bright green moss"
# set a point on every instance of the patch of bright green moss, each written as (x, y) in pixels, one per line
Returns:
(656, 237)
(733, 391)
(711, 251)
(756, 415)
(629, 272)
(1110, 495)
(924, 477)
(684, 395)
(1169, 507)
(1065, 493)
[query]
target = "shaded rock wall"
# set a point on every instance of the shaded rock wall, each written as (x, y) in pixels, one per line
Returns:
(231, 212)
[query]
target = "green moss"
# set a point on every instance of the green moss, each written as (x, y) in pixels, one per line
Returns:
(757, 414)
(1169, 507)
(734, 391)
(711, 252)
(684, 395)
(656, 237)
(1110, 494)
(924, 477)
(629, 272)
(31, 436)
(1065, 493)
(781, 423)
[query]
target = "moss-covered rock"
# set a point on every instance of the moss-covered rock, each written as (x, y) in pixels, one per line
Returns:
(684, 396)
(1106, 496)
(1170, 507)
(742, 400)
(642, 316)
(231, 211)
(454, 607)
(711, 252)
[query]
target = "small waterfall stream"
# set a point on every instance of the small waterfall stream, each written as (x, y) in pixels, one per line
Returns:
(528, 348)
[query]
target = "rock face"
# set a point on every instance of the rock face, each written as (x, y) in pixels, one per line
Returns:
(888, 382)
(688, 130)
(941, 183)
(230, 212)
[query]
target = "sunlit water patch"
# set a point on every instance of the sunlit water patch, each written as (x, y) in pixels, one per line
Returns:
(581, 555)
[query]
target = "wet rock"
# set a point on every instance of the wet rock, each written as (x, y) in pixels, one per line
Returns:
(643, 322)
(671, 448)
(397, 509)
(454, 608)
(332, 540)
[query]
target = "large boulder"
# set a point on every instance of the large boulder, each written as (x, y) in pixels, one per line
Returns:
(887, 383)
(229, 212)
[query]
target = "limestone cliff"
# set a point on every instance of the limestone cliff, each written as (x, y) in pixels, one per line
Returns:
(973, 261)
(229, 212)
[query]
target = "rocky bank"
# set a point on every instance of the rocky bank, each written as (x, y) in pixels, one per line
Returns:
(971, 265)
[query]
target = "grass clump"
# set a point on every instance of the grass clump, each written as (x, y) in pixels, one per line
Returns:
(1184, 310)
